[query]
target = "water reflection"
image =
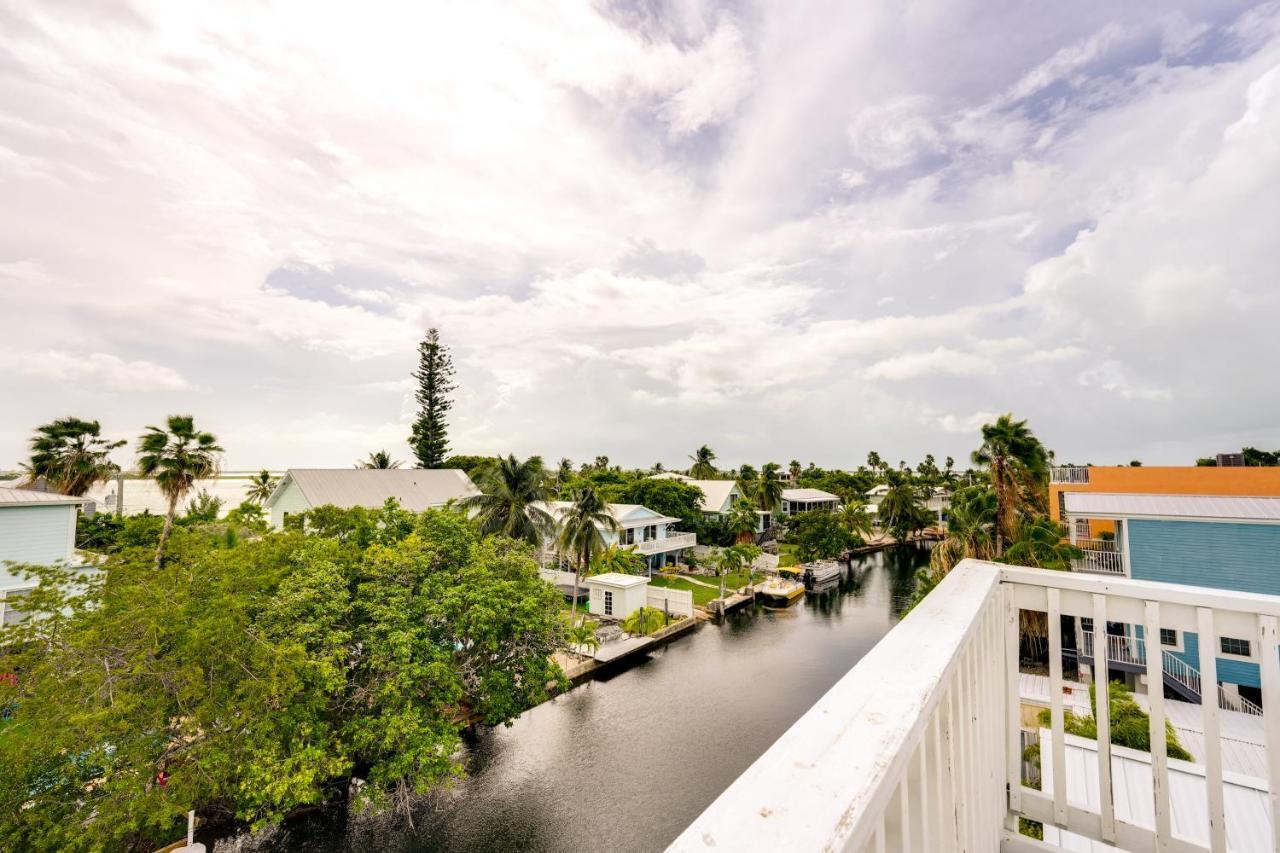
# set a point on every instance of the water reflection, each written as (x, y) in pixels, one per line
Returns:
(626, 762)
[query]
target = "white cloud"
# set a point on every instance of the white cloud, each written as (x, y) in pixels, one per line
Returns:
(95, 372)
(646, 228)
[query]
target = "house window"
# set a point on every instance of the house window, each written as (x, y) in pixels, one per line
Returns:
(9, 612)
(1168, 637)
(627, 536)
(650, 532)
(1086, 624)
(608, 602)
(1234, 646)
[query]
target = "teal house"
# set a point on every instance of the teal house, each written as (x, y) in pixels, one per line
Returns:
(1228, 543)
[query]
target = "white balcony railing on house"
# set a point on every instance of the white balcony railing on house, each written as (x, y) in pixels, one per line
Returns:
(1100, 556)
(919, 746)
(1069, 474)
(671, 542)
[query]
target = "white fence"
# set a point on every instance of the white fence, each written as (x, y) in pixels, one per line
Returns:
(919, 746)
(1069, 474)
(557, 577)
(677, 602)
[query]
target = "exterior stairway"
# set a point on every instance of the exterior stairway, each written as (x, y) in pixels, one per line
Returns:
(1129, 654)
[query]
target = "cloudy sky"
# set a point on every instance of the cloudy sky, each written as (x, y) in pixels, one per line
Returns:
(784, 229)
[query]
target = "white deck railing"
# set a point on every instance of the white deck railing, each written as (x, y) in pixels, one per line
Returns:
(1100, 556)
(919, 746)
(1069, 474)
(671, 542)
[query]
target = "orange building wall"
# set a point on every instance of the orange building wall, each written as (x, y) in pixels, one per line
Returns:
(1169, 480)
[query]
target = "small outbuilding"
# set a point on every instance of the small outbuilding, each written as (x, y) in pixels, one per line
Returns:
(614, 595)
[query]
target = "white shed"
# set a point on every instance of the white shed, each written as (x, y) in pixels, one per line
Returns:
(615, 595)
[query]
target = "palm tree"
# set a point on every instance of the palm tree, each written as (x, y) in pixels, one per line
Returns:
(1039, 545)
(1018, 464)
(703, 467)
(261, 485)
(582, 635)
(794, 470)
(901, 512)
(379, 460)
(853, 516)
(176, 457)
(582, 532)
(769, 489)
(71, 455)
(874, 462)
(615, 558)
(743, 521)
(513, 498)
(971, 522)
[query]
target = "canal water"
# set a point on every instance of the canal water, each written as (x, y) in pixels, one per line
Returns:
(625, 762)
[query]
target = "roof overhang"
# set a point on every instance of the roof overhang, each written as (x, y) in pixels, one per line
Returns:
(1212, 508)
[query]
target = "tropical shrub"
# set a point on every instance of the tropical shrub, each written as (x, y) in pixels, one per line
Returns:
(1130, 725)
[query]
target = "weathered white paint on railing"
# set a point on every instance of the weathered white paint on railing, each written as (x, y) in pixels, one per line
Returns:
(1069, 474)
(911, 738)
(913, 748)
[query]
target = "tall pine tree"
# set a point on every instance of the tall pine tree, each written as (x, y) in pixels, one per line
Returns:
(430, 437)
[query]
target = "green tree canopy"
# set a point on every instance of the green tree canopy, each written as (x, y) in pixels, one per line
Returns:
(819, 535)
(667, 496)
(262, 677)
(71, 455)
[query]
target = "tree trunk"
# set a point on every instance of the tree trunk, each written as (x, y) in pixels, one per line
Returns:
(577, 579)
(1001, 500)
(168, 528)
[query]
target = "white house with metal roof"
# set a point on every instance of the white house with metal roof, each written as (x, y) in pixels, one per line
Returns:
(650, 534)
(718, 496)
(415, 489)
(806, 500)
(37, 528)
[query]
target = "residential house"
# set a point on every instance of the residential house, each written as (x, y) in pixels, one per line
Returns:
(415, 489)
(806, 500)
(37, 528)
(718, 496)
(649, 533)
(1218, 542)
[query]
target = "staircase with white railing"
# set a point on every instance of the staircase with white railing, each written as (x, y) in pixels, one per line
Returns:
(1180, 676)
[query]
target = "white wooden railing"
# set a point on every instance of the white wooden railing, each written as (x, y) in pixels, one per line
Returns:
(1069, 474)
(1100, 555)
(670, 542)
(919, 746)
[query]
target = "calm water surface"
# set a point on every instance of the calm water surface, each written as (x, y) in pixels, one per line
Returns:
(625, 762)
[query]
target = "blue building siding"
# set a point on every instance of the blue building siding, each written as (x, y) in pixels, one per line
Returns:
(1240, 557)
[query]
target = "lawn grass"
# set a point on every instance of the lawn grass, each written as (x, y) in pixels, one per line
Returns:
(702, 595)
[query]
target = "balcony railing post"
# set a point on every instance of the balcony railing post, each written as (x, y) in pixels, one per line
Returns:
(1270, 672)
(1155, 704)
(1102, 714)
(1212, 729)
(1013, 706)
